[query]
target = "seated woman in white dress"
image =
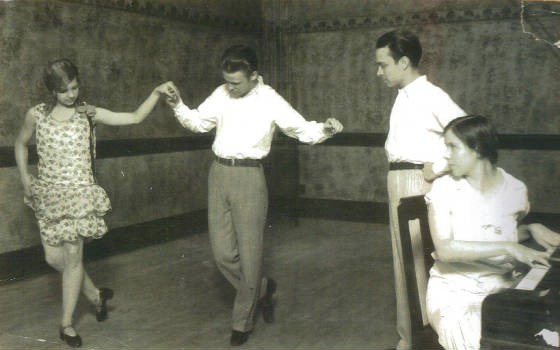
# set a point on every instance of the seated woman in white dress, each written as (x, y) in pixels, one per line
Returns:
(474, 219)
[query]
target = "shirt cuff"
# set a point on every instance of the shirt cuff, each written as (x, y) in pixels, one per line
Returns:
(180, 109)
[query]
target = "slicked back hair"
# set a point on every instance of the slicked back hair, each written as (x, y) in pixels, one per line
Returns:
(239, 58)
(401, 43)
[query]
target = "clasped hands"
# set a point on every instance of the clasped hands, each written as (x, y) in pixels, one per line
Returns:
(173, 98)
(332, 126)
(171, 93)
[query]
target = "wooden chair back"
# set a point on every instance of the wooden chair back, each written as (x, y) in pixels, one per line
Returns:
(410, 209)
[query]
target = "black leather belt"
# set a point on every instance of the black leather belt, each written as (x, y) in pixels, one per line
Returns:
(238, 162)
(404, 166)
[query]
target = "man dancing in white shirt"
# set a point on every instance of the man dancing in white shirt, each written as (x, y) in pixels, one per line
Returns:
(244, 112)
(414, 147)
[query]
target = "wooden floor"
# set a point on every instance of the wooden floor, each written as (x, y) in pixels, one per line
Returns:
(335, 291)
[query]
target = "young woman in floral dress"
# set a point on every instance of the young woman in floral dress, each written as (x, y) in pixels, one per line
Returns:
(68, 203)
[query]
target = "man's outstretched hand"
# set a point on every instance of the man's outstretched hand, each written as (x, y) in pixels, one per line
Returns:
(332, 126)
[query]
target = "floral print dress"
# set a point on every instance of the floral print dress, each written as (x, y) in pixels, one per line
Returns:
(68, 204)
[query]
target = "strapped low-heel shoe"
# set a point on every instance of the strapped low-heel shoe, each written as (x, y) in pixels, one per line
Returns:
(74, 341)
(101, 308)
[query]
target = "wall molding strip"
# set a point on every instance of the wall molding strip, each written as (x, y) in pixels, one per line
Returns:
(144, 146)
(529, 142)
(125, 148)
(507, 141)
(173, 12)
(509, 12)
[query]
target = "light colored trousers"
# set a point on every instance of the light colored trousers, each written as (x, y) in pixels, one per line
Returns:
(237, 209)
(405, 183)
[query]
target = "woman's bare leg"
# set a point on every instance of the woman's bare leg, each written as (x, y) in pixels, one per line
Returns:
(72, 279)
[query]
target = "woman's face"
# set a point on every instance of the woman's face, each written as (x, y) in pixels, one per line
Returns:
(68, 96)
(460, 158)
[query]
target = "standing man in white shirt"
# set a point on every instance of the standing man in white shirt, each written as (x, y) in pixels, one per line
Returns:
(245, 112)
(414, 147)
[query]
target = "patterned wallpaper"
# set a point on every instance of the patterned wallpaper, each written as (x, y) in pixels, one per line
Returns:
(481, 57)
(514, 79)
(318, 53)
(122, 54)
(118, 70)
(238, 15)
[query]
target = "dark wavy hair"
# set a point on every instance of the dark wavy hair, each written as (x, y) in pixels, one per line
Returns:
(478, 133)
(401, 43)
(59, 74)
(239, 58)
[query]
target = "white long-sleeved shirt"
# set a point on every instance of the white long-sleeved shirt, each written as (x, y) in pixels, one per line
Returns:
(420, 112)
(245, 126)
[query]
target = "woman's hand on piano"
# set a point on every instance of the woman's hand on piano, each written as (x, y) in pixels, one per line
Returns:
(544, 236)
(528, 256)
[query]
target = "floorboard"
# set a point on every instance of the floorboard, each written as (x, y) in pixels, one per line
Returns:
(335, 292)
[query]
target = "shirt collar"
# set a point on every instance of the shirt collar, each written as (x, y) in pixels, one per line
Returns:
(256, 88)
(414, 85)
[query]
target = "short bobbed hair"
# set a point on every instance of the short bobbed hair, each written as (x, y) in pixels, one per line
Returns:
(239, 58)
(478, 133)
(401, 43)
(59, 74)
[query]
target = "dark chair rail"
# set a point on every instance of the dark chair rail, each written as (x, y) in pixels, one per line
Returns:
(136, 147)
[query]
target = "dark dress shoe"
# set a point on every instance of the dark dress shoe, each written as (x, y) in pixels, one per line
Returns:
(238, 338)
(101, 309)
(266, 302)
(74, 341)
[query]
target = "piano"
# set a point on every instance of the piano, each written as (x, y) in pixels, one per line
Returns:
(512, 319)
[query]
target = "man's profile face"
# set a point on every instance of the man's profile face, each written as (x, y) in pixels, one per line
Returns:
(238, 84)
(387, 68)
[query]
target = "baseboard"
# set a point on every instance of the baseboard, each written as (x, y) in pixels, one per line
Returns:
(344, 210)
(378, 212)
(28, 262)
